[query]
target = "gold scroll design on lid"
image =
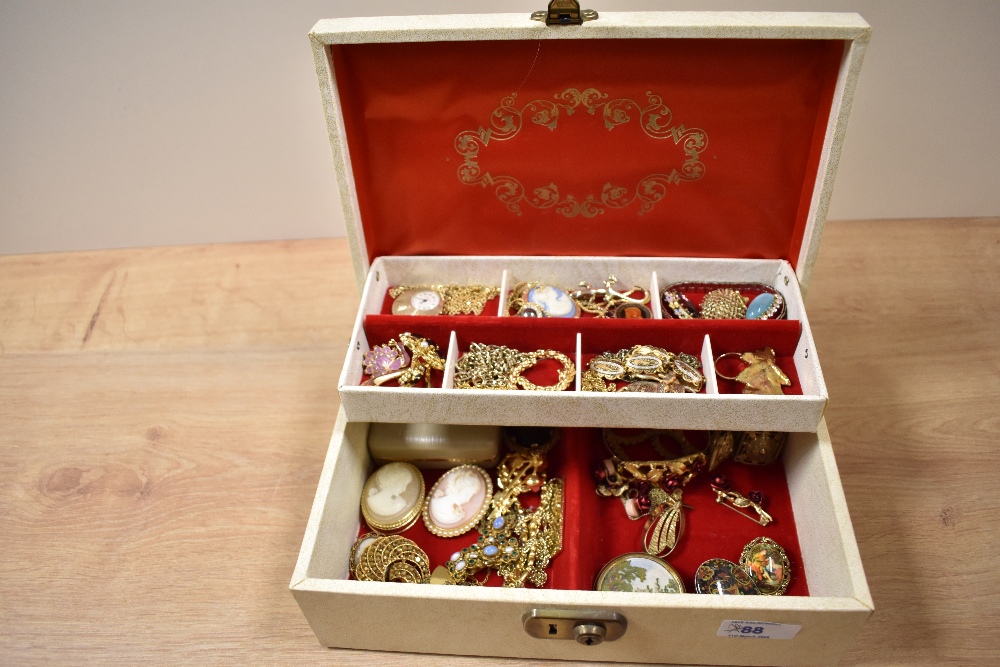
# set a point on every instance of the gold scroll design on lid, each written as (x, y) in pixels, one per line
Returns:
(654, 119)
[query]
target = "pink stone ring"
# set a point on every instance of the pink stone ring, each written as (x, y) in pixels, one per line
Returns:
(385, 362)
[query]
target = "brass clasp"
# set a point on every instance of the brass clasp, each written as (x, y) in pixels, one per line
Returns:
(564, 12)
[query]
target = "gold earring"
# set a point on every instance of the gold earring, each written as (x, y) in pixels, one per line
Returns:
(666, 522)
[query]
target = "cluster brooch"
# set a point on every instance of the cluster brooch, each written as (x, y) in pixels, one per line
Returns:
(389, 558)
(407, 363)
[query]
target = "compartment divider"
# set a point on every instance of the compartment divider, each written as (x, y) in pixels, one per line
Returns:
(502, 306)
(450, 362)
(654, 297)
(579, 362)
(708, 366)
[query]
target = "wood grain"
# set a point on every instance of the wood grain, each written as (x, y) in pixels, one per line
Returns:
(164, 414)
(906, 316)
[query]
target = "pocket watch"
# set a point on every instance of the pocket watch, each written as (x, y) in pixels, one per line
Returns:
(418, 301)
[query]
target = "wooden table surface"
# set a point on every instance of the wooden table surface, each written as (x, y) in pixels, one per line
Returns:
(164, 414)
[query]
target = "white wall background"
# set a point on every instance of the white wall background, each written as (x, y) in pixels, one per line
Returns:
(130, 124)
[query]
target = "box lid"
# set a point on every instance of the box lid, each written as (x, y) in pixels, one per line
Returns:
(638, 134)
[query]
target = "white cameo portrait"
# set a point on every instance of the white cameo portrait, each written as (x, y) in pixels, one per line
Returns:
(554, 301)
(458, 497)
(392, 492)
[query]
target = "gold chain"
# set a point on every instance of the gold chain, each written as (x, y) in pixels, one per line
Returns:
(487, 367)
(500, 367)
(541, 535)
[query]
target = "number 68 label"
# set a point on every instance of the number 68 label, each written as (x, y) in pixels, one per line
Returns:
(758, 630)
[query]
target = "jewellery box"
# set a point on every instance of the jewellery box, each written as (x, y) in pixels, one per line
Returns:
(655, 147)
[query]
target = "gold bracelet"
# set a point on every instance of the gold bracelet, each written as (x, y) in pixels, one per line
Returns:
(591, 381)
(616, 442)
(646, 368)
(566, 374)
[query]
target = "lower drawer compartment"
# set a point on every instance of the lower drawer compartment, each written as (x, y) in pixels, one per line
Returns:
(828, 596)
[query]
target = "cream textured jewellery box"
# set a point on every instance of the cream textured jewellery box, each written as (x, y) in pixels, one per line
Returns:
(655, 147)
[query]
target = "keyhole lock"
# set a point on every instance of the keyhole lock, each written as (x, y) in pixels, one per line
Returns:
(588, 628)
(589, 634)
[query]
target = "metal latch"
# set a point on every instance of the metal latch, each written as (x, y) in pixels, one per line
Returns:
(589, 628)
(564, 12)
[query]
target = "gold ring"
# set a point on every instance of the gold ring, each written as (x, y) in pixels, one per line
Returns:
(723, 356)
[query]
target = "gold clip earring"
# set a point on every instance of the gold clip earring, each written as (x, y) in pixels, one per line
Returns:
(738, 502)
(666, 522)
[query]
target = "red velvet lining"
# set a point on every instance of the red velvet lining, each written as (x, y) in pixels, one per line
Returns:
(763, 104)
(731, 366)
(492, 306)
(489, 310)
(597, 529)
(600, 335)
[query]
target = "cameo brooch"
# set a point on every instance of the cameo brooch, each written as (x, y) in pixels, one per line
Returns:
(457, 501)
(392, 497)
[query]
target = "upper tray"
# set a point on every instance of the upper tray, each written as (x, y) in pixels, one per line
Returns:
(714, 408)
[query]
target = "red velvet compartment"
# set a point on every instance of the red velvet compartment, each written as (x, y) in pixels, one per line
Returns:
(597, 529)
(784, 357)
(489, 310)
(762, 106)
(381, 336)
(599, 335)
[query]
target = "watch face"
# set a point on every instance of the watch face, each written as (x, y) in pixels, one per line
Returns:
(417, 302)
